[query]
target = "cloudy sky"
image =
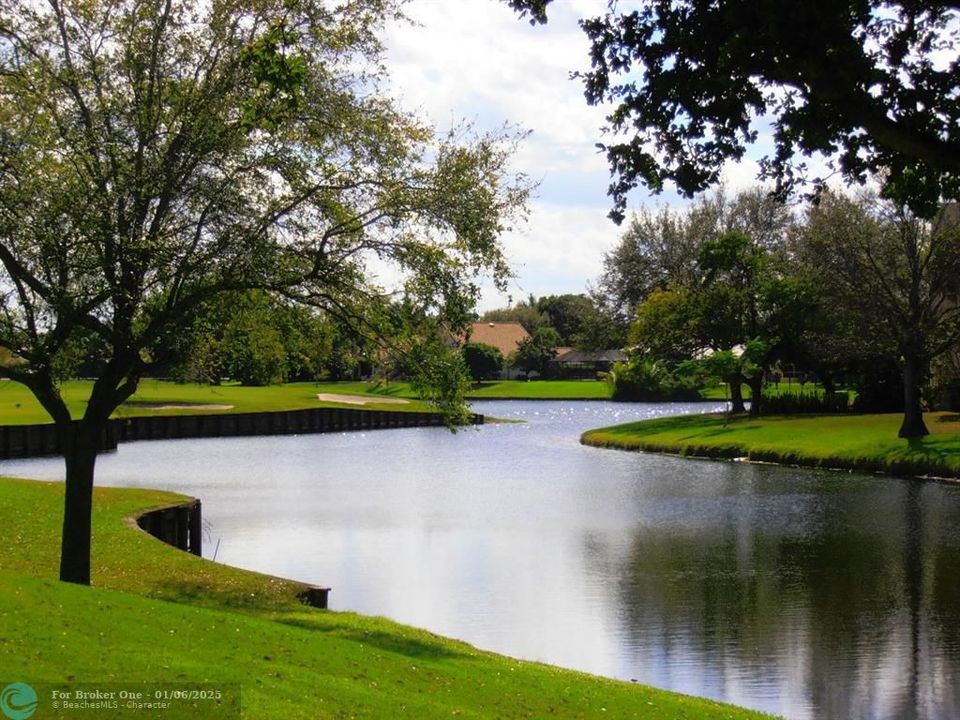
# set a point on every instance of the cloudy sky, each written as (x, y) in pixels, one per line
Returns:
(477, 60)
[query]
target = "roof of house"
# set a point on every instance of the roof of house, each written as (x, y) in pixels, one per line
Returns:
(503, 336)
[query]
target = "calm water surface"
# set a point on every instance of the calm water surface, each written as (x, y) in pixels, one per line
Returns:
(806, 594)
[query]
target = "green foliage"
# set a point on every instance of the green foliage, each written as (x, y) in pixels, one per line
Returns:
(690, 84)
(659, 249)
(258, 340)
(643, 379)
(568, 315)
(527, 315)
(160, 158)
(254, 353)
(533, 354)
(279, 74)
(666, 326)
(729, 310)
(156, 157)
(440, 377)
(806, 403)
(484, 362)
(883, 277)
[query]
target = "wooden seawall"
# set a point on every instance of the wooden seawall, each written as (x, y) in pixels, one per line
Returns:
(177, 525)
(181, 526)
(17, 441)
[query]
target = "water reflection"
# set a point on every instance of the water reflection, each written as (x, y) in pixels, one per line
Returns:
(837, 602)
(811, 595)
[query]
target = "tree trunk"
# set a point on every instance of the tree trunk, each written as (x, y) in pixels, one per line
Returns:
(81, 444)
(829, 387)
(736, 394)
(913, 425)
(756, 395)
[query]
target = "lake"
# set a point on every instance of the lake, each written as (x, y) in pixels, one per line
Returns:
(802, 593)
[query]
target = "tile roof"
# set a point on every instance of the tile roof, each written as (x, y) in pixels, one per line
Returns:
(504, 336)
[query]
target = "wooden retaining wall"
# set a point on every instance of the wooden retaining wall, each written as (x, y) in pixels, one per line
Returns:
(177, 525)
(182, 527)
(287, 422)
(17, 441)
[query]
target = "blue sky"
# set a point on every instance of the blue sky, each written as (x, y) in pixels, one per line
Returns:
(477, 60)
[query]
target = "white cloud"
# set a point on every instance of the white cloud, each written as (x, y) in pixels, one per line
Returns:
(559, 251)
(740, 175)
(478, 60)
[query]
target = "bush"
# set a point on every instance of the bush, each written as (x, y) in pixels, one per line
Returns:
(484, 362)
(806, 403)
(644, 380)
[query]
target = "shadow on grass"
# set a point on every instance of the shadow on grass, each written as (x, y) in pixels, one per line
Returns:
(389, 642)
(927, 450)
(380, 388)
(240, 597)
(658, 425)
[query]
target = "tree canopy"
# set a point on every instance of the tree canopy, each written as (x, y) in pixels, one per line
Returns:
(484, 362)
(870, 84)
(888, 282)
(534, 353)
(659, 249)
(156, 154)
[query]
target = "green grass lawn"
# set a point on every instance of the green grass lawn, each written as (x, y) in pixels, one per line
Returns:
(863, 442)
(18, 406)
(160, 615)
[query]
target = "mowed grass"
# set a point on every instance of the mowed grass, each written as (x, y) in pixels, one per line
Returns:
(19, 407)
(857, 442)
(159, 615)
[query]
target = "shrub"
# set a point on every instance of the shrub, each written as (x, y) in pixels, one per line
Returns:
(644, 380)
(484, 362)
(806, 403)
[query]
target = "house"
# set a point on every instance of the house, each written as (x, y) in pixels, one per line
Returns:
(583, 365)
(504, 336)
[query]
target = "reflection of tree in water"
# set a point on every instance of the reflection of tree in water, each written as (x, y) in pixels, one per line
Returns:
(845, 600)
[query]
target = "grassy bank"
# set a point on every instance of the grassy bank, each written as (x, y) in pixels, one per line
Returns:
(160, 615)
(860, 442)
(18, 406)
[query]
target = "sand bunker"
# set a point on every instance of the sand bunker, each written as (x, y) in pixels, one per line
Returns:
(360, 399)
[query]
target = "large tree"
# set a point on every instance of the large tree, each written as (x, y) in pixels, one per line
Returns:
(870, 84)
(156, 153)
(534, 353)
(659, 249)
(741, 307)
(893, 278)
